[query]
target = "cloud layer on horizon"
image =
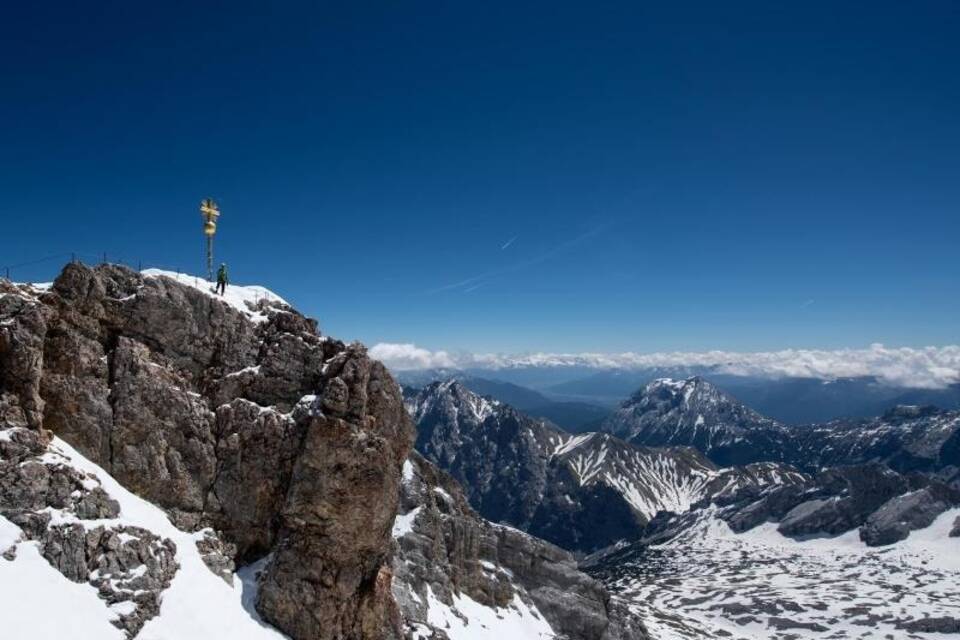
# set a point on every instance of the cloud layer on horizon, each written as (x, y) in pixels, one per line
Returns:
(928, 367)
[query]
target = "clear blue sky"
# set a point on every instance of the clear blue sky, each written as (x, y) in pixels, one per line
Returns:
(563, 177)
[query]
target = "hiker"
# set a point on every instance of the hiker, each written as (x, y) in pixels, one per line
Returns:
(222, 279)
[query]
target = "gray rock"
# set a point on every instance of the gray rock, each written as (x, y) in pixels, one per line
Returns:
(514, 470)
(842, 499)
(125, 564)
(899, 516)
(943, 624)
(694, 413)
(955, 531)
(217, 555)
(452, 550)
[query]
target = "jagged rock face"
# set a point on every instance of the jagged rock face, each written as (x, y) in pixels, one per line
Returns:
(844, 498)
(128, 566)
(243, 419)
(694, 413)
(496, 452)
(581, 492)
(899, 516)
(448, 553)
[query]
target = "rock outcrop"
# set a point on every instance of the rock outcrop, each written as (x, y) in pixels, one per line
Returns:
(843, 499)
(229, 413)
(68, 514)
(450, 558)
(899, 516)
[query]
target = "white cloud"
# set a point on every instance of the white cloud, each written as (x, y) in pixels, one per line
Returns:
(928, 367)
(403, 357)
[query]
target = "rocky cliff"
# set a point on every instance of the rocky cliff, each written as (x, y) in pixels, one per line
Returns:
(451, 560)
(581, 492)
(233, 414)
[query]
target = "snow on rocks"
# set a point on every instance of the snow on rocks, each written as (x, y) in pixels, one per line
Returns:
(758, 585)
(249, 300)
(102, 560)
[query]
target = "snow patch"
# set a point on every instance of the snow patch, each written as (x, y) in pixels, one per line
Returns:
(242, 298)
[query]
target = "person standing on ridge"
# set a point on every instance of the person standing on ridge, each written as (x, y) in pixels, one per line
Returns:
(222, 279)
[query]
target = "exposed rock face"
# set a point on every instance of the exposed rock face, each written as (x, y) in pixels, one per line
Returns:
(328, 578)
(581, 492)
(129, 566)
(448, 553)
(843, 499)
(496, 452)
(694, 413)
(884, 504)
(955, 531)
(237, 417)
(899, 516)
(942, 624)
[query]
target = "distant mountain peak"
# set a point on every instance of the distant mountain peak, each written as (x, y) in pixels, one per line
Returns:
(693, 412)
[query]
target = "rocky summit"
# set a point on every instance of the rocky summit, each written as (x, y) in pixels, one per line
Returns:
(190, 457)
(695, 413)
(233, 416)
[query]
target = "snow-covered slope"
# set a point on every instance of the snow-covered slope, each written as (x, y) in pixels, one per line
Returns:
(711, 582)
(651, 480)
(248, 299)
(39, 602)
(471, 579)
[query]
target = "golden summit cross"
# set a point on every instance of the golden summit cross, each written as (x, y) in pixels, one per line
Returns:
(210, 213)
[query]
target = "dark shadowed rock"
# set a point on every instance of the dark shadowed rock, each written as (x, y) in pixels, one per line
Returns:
(941, 624)
(843, 499)
(447, 549)
(694, 413)
(581, 492)
(899, 516)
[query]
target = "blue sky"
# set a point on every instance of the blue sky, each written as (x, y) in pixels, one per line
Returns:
(556, 177)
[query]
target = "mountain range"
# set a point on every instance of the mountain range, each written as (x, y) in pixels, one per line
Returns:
(180, 464)
(580, 491)
(790, 400)
(685, 476)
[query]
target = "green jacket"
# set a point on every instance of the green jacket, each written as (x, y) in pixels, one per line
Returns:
(222, 275)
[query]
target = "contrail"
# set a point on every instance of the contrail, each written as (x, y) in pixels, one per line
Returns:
(543, 257)
(508, 243)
